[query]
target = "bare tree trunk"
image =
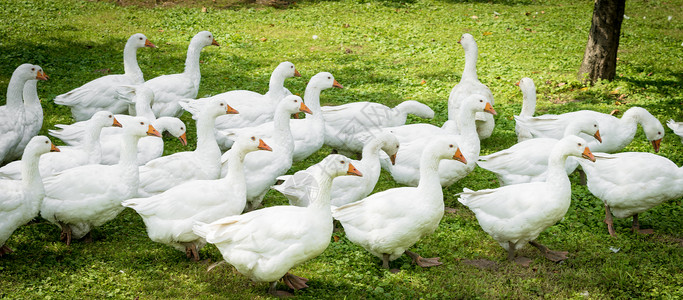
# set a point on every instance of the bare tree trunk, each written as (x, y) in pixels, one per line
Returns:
(600, 58)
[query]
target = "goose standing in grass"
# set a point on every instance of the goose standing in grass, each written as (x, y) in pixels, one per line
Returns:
(515, 215)
(616, 133)
(469, 85)
(527, 161)
(163, 173)
(69, 157)
(170, 89)
(149, 147)
(265, 244)
(298, 187)
(346, 124)
(255, 108)
(103, 93)
(84, 197)
(415, 137)
(169, 216)
(630, 183)
(388, 223)
(677, 127)
(20, 199)
(528, 88)
(12, 114)
(263, 168)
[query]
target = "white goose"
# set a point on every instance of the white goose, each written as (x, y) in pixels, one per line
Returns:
(527, 161)
(630, 183)
(265, 244)
(20, 199)
(69, 157)
(297, 187)
(387, 223)
(103, 93)
(346, 124)
(33, 117)
(263, 168)
(80, 198)
(469, 85)
(12, 113)
(515, 215)
(169, 217)
(677, 127)
(528, 88)
(163, 173)
(110, 139)
(169, 89)
(616, 133)
(255, 108)
(414, 137)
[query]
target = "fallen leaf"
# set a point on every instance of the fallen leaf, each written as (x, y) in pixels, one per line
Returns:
(583, 89)
(348, 51)
(614, 112)
(336, 238)
(649, 74)
(487, 33)
(423, 81)
(346, 25)
(263, 39)
(527, 13)
(474, 17)
(203, 9)
(561, 84)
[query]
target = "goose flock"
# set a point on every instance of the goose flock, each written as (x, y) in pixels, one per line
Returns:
(247, 143)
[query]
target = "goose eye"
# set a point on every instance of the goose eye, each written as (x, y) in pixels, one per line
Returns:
(142, 123)
(221, 104)
(342, 162)
(141, 39)
(33, 69)
(46, 142)
(595, 125)
(182, 128)
(328, 77)
(450, 146)
(480, 101)
(253, 138)
(296, 101)
(291, 67)
(579, 144)
(659, 132)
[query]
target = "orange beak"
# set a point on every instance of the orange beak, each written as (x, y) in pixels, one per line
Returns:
(353, 171)
(53, 148)
(587, 154)
(41, 75)
(231, 110)
(393, 159)
(183, 139)
(149, 44)
(459, 41)
(517, 83)
(459, 157)
(153, 132)
(215, 43)
(296, 73)
(597, 136)
(489, 109)
(263, 146)
(655, 144)
(116, 123)
(337, 85)
(305, 109)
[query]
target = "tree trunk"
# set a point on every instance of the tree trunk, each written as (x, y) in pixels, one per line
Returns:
(600, 58)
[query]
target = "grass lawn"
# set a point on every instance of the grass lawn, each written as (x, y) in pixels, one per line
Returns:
(383, 51)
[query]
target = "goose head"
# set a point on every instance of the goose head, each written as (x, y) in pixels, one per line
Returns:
(445, 148)
(527, 86)
(467, 42)
(323, 80)
(104, 119)
(338, 165)
(217, 107)
(203, 39)
(249, 143)
(286, 69)
(588, 126)
(40, 144)
(390, 145)
(30, 72)
(478, 103)
(293, 104)
(139, 40)
(139, 127)
(574, 146)
(174, 126)
(654, 131)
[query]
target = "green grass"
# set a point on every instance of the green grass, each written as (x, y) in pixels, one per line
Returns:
(383, 54)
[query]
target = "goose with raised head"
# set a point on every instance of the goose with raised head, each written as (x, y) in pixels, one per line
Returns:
(415, 137)
(262, 168)
(528, 88)
(170, 89)
(84, 197)
(298, 187)
(169, 217)
(255, 108)
(527, 161)
(104, 93)
(89, 152)
(163, 173)
(469, 85)
(347, 124)
(20, 199)
(515, 215)
(12, 114)
(630, 183)
(388, 223)
(33, 117)
(677, 127)
(265, 244)
(616, 133)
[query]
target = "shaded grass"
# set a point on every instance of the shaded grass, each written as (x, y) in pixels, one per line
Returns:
(380, 51)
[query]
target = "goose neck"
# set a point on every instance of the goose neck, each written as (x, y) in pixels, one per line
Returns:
(206, 140)
(15, 90)
(235, 173)
(312, 100)
(282, 130)
(471, 56)
(30, 95)
(528, 103)
(129, 150)
(429, 173)
(130, 63)
(557, 174)
(370, 151)
(276, 86)
(30, 173)
(322, 198)
(467, 126)
(144, 109)
(192, 61)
